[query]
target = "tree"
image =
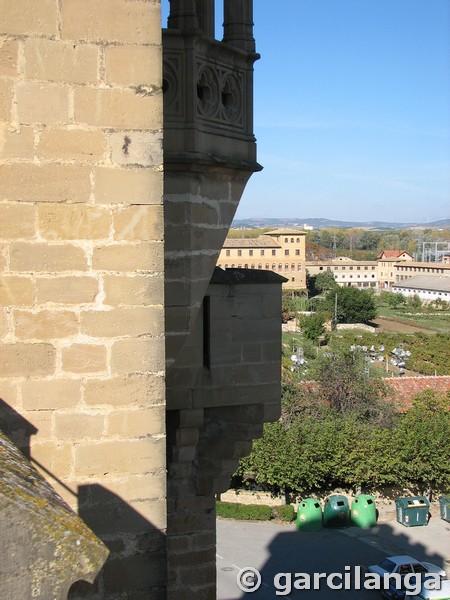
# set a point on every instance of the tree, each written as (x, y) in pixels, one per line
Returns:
(394, 299)
(324, 281)
(312, 326)
(351, 305)
(424, 441)
(343, 385)
(415, 301)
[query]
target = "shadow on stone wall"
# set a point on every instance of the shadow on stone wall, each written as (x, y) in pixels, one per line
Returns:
(136, 565)
(18, 429)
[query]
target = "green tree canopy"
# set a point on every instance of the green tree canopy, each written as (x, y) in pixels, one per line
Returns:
(393, 299)
(351, 305)
(312, 326)
(424, 440)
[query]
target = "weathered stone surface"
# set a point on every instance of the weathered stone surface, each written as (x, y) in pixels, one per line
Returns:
(44, 546)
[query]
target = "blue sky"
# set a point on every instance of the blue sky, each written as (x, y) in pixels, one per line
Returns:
(352, 110)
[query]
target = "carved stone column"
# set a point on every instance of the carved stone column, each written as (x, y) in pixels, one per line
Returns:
(183, 15)
(205, 15)
(238, 24)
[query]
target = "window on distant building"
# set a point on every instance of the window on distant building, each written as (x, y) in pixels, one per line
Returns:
(297, 253)
(299, 267)
(226, 266)
(298, 240)
(292, 267)
(267, 266)
(232, 266)
(262, 253)
(239, 252)
(286, 240)
(274, 266)
(286, 252)
(227, 253)
(252, 267)
(239, 266)
(292, 240)
(286, 267)
(280, 267)
(260, 266)
(273, 252)
(250, 252)
(245, 266)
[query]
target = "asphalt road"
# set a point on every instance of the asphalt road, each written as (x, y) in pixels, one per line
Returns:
(274, 549)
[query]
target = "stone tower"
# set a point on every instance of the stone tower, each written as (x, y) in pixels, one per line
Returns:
(114, 328)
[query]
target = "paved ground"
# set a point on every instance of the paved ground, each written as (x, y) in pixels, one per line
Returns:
(276, 548)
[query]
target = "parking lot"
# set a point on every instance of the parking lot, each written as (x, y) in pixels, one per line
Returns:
(275, 549)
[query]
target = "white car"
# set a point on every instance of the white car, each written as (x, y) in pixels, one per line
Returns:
(417, 589)
(403, 565)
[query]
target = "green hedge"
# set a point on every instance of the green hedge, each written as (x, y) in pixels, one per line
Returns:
(284, 513)
(254, 512)
(250, 512)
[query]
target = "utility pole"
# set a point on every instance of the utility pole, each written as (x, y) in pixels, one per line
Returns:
(335, 310)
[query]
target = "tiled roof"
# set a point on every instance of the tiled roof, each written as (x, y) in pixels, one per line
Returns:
(392, 254)
(425, 282)
(425, 265)
(339, 263)
(406, 388)
(258, 242)
(286, 232)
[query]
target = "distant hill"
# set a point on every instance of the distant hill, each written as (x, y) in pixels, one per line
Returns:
(264, 223)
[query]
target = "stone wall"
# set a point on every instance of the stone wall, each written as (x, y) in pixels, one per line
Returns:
(81, 258)
(103, 288)
(224, 385)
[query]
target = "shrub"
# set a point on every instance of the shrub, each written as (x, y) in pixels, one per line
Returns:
(248, 512)
(284, 513)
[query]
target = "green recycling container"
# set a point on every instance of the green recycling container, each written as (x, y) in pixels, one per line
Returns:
(309, 515)
(412, 511)
(336, 511)
(363, 512)
(444, 505)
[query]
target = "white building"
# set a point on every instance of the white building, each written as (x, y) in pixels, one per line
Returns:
(428, 287)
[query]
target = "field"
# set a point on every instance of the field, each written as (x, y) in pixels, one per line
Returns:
(401, 319)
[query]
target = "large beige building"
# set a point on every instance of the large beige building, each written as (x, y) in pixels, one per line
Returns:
(131, 373)
(281, 251)
(387, 262)
(346, 271)
(406, 270)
